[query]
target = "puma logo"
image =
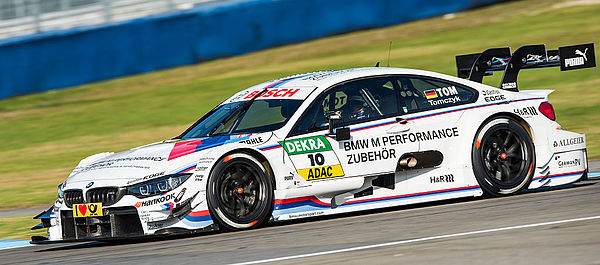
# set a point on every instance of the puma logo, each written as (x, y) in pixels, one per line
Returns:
(578, 52)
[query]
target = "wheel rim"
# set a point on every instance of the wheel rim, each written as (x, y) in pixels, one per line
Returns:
(241, 191)
(505, 157)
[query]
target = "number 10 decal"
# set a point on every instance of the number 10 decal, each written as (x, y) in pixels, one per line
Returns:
(318, 158)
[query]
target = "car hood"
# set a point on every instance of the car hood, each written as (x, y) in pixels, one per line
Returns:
(147, 162)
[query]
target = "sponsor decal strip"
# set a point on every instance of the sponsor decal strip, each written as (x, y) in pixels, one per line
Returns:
(561, 175)
(436, 114)
(282, 204)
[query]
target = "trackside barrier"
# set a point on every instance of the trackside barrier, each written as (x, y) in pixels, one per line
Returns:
(58, 59)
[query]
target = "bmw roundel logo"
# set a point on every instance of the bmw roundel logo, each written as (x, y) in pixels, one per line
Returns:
(89, 184)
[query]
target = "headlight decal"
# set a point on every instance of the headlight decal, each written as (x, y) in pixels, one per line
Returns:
(60, 192)
(158, 186)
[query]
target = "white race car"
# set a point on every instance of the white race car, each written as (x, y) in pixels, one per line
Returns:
(332, 142)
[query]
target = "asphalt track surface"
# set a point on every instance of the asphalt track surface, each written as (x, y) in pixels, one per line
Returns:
(555, 226)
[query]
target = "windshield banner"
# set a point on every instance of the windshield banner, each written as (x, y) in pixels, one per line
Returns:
(300, 93)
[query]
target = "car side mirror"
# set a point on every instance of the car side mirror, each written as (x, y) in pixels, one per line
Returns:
(341, 134)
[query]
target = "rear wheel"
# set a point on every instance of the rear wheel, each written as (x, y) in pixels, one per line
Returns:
(503, 157)
(239, 192)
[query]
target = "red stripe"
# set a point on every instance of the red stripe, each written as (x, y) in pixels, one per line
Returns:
(561, 174)
(374, 126)
(279, 81)
(189, 169)
(271, 148)
(199, 213)
(414, 194)
(314, 199)
(299, 199)
(183, 148)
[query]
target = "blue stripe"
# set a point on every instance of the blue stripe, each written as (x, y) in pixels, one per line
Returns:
(198, 218)
(471, 107)
(440, 113)
(300, 204)
(374, 125)
(267, 147)
(11, 243)
(192, 166)
(280, 83)
(411, 196)
(308, 205)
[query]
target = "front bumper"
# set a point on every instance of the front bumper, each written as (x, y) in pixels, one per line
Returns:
(115, 222)
(127, 219)
(118, 223)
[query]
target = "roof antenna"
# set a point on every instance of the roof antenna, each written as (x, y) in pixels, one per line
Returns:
(377, 65)
(389, 51)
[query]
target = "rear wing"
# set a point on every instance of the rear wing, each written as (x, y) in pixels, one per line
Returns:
(476, 66)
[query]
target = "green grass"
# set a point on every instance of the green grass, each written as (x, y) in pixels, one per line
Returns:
(17, 227)
(45, 135)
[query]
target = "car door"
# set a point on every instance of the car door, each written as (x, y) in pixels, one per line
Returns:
(369, 106)
(430, 109)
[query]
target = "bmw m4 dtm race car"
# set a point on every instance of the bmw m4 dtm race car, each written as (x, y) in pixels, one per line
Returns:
(332, 142)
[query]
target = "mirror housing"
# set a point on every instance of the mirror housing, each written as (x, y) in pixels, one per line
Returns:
(341, 134)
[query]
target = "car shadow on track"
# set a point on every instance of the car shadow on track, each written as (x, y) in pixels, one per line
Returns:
(95, 244)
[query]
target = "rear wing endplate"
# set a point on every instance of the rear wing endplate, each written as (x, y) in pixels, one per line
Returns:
(476, 66)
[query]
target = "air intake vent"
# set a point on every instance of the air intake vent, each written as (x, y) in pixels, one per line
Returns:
(73, 197)
(107, 196)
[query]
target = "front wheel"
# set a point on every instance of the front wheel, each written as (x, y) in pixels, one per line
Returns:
(503, 157)
(239, 192)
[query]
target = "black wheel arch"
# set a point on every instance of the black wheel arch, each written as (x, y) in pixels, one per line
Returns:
(509, 115)
(261, 158)
(515, 118)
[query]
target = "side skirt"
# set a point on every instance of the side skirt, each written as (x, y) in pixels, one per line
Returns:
(310, 206)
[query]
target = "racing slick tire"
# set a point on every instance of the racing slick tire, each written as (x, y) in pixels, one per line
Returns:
(239, 192)
(503, 157)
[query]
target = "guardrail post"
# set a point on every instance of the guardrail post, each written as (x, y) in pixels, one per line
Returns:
(20, 8)
(37, 13)
(107, 10)
(65, 4)
(170, 5)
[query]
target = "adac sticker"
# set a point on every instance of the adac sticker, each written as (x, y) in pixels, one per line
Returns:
(321, 172)
(306, 145)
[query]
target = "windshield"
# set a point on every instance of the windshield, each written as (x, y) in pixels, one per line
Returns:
(238, 118)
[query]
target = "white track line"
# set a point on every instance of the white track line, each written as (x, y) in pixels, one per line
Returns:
(593, 175)
(418, 240)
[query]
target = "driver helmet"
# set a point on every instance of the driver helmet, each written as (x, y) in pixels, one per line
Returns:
(358, 108)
